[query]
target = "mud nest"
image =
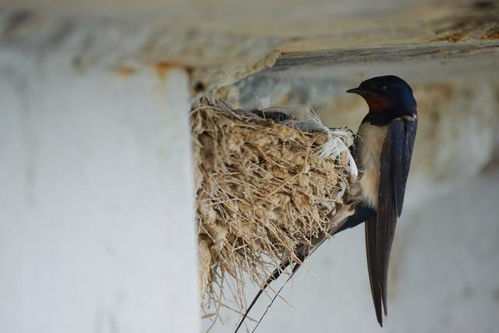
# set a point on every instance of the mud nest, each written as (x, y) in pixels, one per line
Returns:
(263, 188)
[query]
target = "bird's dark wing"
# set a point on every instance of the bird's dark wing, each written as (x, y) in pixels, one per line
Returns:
(302, 252)
(403, 134)
(274, 276)
(373, 264)
(380, 229)
(273, 114)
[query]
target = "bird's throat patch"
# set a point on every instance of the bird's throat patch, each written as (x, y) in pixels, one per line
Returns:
(376, 102)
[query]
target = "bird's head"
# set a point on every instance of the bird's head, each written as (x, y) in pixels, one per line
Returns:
(386, 93)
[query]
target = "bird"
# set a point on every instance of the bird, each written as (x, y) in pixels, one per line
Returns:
(382, 151)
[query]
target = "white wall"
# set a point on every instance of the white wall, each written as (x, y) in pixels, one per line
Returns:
(96, 198)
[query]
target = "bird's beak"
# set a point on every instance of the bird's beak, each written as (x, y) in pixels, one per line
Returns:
(356, 91)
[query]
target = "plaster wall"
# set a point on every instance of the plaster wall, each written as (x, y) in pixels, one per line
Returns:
(96, 199)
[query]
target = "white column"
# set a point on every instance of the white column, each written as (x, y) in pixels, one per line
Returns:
(96, 199)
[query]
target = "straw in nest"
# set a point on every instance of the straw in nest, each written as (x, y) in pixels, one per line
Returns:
(263, 188)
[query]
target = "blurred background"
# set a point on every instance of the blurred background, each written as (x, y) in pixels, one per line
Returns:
(96, 197)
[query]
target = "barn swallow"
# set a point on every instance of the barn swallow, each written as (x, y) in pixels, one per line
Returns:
(383, 151)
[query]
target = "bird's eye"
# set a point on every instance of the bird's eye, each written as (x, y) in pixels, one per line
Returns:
(383, 88)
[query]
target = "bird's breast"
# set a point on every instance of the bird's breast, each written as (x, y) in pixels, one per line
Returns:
(371, 145)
